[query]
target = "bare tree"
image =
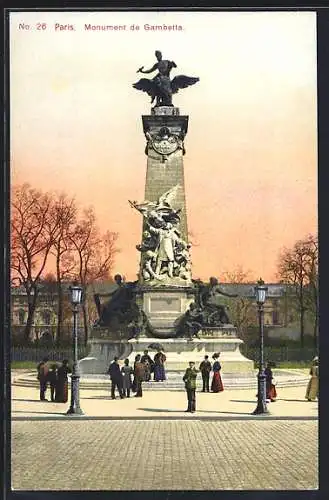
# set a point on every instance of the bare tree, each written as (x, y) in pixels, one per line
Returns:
(94, 254)
(312, 288)
(65, 213)
(298, 266)
(33, 231)
(241, 308)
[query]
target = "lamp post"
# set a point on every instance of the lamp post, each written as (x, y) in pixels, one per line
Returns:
(76, 298)
(260, 291)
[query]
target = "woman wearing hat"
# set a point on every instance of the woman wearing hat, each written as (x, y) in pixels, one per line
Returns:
(159, 369)
(312, 391)
(216, 384)
(62, 382)
(271, 393)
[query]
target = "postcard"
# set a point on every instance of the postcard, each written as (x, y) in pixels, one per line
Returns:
(164, 251)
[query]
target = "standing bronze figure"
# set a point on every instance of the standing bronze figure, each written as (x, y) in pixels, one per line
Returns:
(161, 87)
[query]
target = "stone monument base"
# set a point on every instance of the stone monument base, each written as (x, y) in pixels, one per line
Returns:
(179, 351)
(163, 306)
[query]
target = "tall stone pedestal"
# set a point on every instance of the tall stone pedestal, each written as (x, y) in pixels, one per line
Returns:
(165, 130)
(165, 296)
(163, 306)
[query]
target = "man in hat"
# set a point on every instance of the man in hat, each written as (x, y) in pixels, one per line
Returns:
(139, 373)
(190, 386)
(43, 370)
(205, 369)
(116, 378)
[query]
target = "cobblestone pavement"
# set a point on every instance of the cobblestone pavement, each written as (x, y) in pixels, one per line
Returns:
(164, 455)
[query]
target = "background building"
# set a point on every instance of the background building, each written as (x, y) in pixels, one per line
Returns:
(279, 318)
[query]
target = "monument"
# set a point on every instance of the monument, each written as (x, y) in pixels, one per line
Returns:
(165, 308)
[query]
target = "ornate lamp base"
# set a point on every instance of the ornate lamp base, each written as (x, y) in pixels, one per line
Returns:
(261, 407)
(75, 399)
(74, 411)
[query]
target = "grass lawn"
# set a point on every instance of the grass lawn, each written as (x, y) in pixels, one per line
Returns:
(27, 365)
(293, 364)
(288, 364)
(32, 365)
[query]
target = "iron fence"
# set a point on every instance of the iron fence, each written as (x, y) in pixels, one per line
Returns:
(280, 354)
(36, 354)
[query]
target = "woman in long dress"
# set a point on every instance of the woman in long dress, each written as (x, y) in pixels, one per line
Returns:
(271, 393)
(149, 364)
(127, 372)
(216, 384)
(312, 391)
(134, 383)
(62, 382)
(159, 370)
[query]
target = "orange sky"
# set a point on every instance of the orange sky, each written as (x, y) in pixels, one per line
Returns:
(251, 148)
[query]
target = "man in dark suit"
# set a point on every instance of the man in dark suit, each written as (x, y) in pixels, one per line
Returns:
(139, 372)
(205, 369)
(43, 370)
(190, 386)
(116, 378)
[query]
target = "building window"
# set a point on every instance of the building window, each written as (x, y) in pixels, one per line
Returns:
(46, 317)
(21, 316)
(275, 317)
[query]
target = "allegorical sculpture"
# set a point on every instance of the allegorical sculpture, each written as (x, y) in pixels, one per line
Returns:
(121, 312)
(161, 87)
(190, 323)
(165, 254)
(213, 313)
(206, 312)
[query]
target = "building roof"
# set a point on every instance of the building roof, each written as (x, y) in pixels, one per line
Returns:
(248, 289)
(243, 289)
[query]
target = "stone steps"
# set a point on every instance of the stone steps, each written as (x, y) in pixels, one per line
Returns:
(175, 382)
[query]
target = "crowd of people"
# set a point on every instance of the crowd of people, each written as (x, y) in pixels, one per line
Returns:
(56, 378)
(205, 368)
(129, 379)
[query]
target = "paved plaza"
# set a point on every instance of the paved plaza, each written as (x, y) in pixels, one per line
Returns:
(149, 443)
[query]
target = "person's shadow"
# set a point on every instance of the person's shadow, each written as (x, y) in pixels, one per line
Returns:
(32, 400)
(161, 410)
(38, 412)
(295, 400)
(99, 397)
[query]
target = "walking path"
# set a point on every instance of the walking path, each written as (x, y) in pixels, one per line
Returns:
(165, 404)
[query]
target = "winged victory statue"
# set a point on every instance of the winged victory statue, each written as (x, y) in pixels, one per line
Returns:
(161, 87)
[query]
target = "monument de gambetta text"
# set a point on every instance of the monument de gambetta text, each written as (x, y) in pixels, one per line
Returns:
(165, 302)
